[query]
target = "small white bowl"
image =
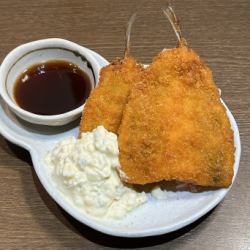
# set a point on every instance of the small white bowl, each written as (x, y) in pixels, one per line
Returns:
(41, 51)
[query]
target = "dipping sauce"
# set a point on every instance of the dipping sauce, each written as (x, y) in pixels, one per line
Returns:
(52, 88)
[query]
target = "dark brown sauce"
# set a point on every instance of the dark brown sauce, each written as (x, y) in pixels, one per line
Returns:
(52, 88)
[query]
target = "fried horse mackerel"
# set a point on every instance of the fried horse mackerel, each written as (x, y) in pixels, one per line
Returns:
(174, 126)
(106, 103)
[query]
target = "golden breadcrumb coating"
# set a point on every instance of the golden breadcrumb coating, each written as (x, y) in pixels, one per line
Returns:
(106, 103)
(175, 127)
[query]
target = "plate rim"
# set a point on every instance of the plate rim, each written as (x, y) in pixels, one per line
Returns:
(142, 233)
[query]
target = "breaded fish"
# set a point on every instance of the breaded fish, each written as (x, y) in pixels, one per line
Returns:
(175, 127)
(106, 103)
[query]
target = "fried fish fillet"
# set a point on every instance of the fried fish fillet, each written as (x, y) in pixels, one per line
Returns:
(106, 103)
(175, 127)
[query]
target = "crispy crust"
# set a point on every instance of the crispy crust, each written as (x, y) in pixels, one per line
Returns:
(106, 103)
(174, 126)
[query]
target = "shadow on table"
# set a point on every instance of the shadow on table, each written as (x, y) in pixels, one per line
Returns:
(107, 240)
(19, 152)
(127, 243)
(91, 234)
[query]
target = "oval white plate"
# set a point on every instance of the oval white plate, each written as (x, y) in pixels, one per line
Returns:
(153, 218)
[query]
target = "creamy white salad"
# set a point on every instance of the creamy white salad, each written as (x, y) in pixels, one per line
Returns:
(86, 172)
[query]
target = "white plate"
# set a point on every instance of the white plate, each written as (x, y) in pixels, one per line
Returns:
(153, 218)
